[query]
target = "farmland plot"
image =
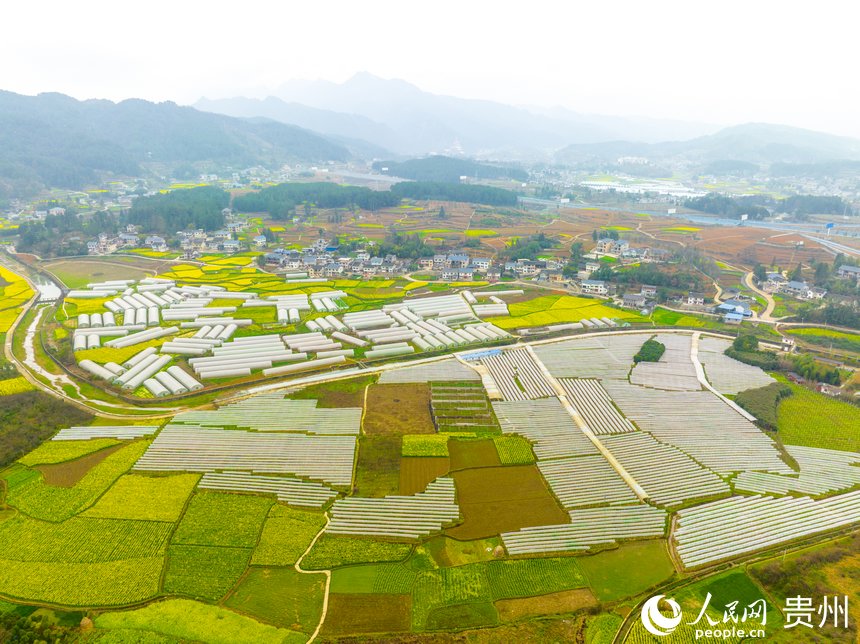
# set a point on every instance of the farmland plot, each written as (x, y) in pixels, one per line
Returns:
(717, 436)
(588, 528)
(585, 480)
(547, 425)
(274, 413)
(405, 517)
(30, 494)
(727, 375)
(708, 533)
(445, 370)
(595, 406)
(667, 474)
(518, 376)
(461, 407)
(821, 471)
(605, 357)
(674, 370)
(190, 448)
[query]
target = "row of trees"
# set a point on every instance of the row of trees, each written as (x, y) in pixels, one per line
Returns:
(438, 191)
(760, 206)
(281, 201)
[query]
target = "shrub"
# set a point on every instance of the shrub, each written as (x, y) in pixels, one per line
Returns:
(651, 351)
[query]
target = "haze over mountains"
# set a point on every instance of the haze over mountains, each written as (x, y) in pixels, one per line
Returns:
(52, 140)
(399, 116)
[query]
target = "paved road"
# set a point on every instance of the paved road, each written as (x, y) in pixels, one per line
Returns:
(771, 303)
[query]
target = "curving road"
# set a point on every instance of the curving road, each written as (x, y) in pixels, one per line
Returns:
(765, 316)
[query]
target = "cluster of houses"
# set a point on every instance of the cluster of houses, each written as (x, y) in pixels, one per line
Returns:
(623, 251)
(778, 283)
(322, 260)
(193, 243)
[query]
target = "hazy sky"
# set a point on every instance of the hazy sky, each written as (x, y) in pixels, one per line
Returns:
(727, 62)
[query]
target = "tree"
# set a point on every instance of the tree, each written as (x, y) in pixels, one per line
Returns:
(822, 273)
(760, 273)
(442, 214)
(745, 343)
(797, 274)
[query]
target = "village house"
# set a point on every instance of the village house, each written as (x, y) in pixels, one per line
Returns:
(260, 241)
(480, 263)
(848, 271)
(634, 301)
(695, 299)
(774, 282)
(594, 287)
(425, 263)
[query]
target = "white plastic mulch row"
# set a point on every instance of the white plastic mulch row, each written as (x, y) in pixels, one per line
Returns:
(727, 375)
(591, 357)
(585, 480)
(668, 475)
(589, 527)
(408, 517)
(274, 413)
(517, 375)
(595, 406)
(122, 432)
(741, 525)
(674, 370)
(700, 424)
(442, 370)
(437, 305)
(547, 425)
(821, 471)
(190, 448)
(288, 490)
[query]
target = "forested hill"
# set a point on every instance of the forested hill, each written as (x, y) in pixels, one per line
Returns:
(449, 170)
(55, 140)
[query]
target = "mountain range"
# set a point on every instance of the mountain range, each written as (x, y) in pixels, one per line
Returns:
(399, 116)
(53, 140)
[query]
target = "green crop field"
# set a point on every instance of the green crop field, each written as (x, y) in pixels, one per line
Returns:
(559, 309)
(149, 498)
(222, 519)
(514, 450)
(815, 420)
(286, 535)
(30, 494)
(385, 578)
(61, 451)
(204, 572)
(108, 583)
(280, 596)
(425, 445)
(187, 620)
(627, 570)
(332, 552)
(828, 338)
